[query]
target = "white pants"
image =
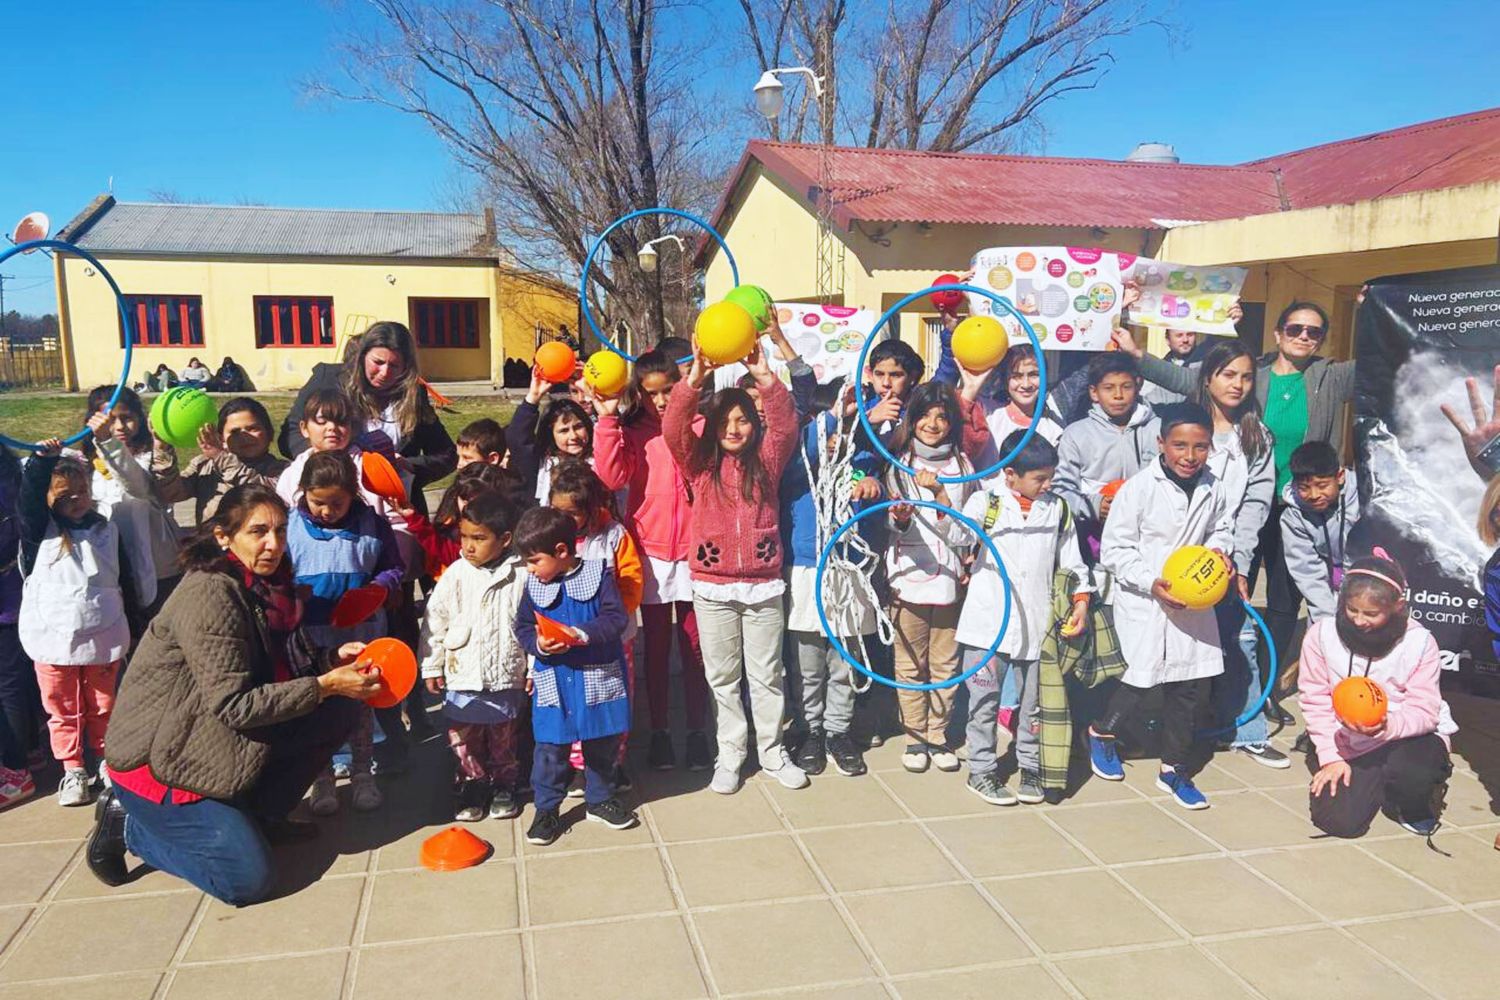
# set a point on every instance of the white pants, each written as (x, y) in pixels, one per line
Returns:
(743, 640)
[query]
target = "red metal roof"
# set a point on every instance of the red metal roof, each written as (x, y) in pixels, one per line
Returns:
(1447, 152)
(884, 185)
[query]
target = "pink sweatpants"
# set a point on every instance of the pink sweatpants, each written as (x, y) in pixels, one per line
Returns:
(78, 702)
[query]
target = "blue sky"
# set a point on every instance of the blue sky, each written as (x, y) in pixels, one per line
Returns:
(205, 99)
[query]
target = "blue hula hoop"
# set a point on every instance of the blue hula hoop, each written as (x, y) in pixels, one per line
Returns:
(864, 355)
(126, 327)
(849, 657)
(1272, 668)
(588, 262)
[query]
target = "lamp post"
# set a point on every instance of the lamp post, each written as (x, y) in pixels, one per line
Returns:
(770, 92)
(647, 256)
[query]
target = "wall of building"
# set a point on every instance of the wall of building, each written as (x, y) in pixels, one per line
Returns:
(362, 292)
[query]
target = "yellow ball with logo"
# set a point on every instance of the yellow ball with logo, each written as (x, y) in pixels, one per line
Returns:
(726, 333)
(1198, 575)
(606, 373)
(979, 343)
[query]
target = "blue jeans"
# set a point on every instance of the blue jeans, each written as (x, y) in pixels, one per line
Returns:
(1241, 684)
(211, 844)
(550, 772)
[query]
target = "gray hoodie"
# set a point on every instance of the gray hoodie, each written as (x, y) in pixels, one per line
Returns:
(1096, 451)
(1316, 546)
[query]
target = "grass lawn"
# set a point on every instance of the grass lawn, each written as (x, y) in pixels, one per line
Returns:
(33, 417)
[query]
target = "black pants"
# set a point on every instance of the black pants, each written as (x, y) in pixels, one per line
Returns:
(1404, 775)
(1182, 702)
(1283, 599)
(300, 749)
(20, 700)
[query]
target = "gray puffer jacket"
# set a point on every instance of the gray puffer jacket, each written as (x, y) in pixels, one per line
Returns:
(1316, 546)
(200, 689)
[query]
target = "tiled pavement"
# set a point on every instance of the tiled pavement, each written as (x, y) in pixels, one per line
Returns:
(891, 885)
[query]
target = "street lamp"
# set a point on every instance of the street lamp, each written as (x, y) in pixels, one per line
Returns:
(646, 256)
(770, 93)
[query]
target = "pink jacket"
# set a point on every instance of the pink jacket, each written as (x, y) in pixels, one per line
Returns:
(1409, 674)
(635, 457)
(733, 541)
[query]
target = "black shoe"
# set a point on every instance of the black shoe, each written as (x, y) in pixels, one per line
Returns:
(504, 804)
(847, 758)
(1279, 715)
(811, 755)
(289, 831)
(660, 757)
(106, 847)
(473, 801)
(699, 757)
(619, 779)
(545, 828)
(612, 813)
(1303, 744)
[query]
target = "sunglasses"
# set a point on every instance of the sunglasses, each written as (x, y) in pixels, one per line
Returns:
(1304, 330)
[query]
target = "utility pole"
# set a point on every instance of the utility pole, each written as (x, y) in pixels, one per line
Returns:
(3, 279)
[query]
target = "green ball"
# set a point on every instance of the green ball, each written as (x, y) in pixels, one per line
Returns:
(754, 300)
(178, 414)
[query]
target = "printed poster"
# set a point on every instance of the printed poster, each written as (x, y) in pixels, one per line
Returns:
(829, 338)
(1183, 296)
(1417, 338)
(1070, 295)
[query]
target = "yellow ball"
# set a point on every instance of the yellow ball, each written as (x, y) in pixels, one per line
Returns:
(1199, 576)
(979, 343)
(606, 373)
(726, 333)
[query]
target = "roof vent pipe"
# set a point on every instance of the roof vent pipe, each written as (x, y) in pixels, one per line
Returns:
(1153, 152)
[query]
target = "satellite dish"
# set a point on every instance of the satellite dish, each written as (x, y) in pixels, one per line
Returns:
(35, 226)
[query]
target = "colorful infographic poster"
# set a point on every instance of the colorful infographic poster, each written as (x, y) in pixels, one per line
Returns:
(1183, 296)
(1069, 295)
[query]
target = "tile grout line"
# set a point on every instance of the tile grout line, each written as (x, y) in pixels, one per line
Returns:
(679, 897)
(1021, 933)
(169, 974)
(40, 906)
(530, 979)
(361, 921)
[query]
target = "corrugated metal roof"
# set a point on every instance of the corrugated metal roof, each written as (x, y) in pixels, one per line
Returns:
(1447, 152)
(253, 230)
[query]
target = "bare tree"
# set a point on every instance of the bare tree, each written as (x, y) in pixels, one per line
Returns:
(946, 75)
(567, 113)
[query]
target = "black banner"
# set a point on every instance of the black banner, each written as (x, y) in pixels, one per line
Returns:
(1417, 338)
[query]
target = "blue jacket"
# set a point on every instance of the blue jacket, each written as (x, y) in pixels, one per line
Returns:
(799, 530)
(331, 561)
(1492, 600)
(578, 694)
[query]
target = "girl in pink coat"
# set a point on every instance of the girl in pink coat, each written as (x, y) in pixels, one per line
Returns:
(1400, 765)
(630, 454)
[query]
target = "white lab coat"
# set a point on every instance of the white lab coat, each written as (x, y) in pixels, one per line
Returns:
(1033, 547)
(1150, 519)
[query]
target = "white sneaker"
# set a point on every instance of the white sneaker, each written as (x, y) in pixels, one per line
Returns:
(366, 795)
(102, 778)
(945, 760)
(726, 781)
(915, 759)
(73, 790)
(325, 797)
(789, 774)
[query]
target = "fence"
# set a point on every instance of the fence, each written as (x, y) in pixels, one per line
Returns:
(30, 369)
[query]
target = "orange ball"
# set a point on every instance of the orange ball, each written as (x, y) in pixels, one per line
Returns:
(1359, 701)
(556, 361)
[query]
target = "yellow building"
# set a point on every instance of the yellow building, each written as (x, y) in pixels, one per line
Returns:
(282, 289)
(1312, 224)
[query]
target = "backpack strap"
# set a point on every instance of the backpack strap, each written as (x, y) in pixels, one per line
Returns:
(991, 512)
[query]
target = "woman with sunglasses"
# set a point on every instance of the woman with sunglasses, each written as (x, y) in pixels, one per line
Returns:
(1301, 398)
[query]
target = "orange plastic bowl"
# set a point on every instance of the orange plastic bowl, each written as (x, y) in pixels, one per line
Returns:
(453, 850)
(550, 628)
(380, 477)
(556, 361)
(398, 670)
(1359, 701)
(358, 604)
(1110, 488)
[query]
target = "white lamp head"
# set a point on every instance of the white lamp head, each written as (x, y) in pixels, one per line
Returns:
(770, 95)
(646, 257)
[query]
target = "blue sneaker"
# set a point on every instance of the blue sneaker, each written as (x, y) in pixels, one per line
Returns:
(1182, 790)
(1104, 758)
(1424, 827)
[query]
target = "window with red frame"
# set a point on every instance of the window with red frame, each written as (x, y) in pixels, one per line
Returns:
(164, 320)
(446, 322)
(293, 321)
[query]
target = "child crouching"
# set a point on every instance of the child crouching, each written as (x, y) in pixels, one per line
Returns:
(469, 651)
(578, 678)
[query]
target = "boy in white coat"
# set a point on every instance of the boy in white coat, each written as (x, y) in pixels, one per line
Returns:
(1033, 530)
(1172, 502)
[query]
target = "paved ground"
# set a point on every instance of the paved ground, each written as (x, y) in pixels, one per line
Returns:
(891, 885)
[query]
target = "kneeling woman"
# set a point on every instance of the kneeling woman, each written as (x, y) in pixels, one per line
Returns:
(225, 716)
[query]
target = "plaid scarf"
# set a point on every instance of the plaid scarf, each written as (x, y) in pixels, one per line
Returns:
(1091, 658)
(277, 597)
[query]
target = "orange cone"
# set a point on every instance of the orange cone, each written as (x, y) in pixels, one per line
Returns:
(453, 849)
